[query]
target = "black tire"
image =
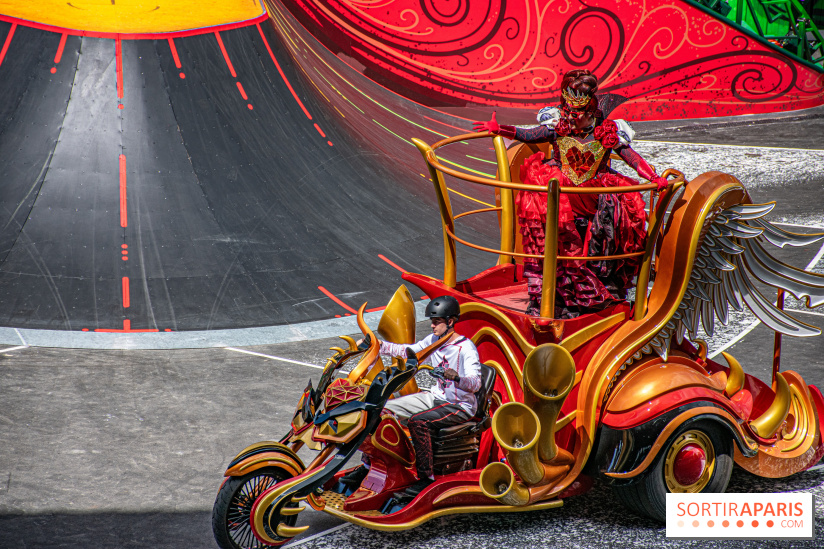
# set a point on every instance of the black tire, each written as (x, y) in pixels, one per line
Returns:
(647, 495)
(233, 507)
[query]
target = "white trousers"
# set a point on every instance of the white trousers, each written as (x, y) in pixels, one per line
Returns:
(409, 405)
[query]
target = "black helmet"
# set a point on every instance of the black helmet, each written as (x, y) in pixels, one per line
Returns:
(445, 306)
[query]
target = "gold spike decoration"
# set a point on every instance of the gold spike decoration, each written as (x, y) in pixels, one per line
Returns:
(735, 380)
(769, 422)
(290, 531)
(351, 342)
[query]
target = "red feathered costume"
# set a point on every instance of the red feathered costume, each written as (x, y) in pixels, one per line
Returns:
(588, 224)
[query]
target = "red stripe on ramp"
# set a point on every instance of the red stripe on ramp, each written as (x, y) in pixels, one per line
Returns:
(225, 55)
(123, 215)
(174, 52)
(393, 264)
(118, 57)
(336, 300)
(59, 55)
(126, 301)
(8, 41)
(286, 80)
(242, 91)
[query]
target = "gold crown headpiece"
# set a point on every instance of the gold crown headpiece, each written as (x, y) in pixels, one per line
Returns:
(575, 98)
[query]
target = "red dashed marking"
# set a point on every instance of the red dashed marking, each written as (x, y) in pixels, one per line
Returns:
(175, 56)
(336, 300)
(123, 214)
(391, 263)
(330, 143)
(242, 91)
(250, 106)
(225, 55)
(118, 57)
(174, 53)
(11, 33)
(285, 80)
(320, 131)
(126, 300)
(59, 55)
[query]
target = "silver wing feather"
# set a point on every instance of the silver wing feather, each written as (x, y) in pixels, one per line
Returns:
(730, 258)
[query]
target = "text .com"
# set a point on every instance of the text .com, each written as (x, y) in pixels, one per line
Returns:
(762, 516)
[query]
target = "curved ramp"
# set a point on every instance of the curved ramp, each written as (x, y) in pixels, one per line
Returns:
(204, 179)
(669, 59)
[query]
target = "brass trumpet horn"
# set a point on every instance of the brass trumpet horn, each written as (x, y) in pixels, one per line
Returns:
(517, 429)
(498, 482)
(549, 375)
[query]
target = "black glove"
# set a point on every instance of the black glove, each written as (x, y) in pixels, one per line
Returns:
(364, 345)
(411, 358)
(438, 372)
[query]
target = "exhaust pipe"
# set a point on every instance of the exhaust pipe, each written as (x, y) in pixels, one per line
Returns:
(549, 375)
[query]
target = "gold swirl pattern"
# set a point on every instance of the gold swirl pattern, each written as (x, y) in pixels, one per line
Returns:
(668, 59)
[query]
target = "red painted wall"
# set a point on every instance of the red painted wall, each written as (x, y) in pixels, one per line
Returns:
(669, 58)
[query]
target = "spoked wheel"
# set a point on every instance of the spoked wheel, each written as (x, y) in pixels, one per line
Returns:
(697, 458)
(233, 507)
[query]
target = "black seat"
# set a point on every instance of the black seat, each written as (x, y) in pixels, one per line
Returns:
(455, 448)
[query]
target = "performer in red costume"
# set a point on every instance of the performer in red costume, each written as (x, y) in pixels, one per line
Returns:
(589, 224)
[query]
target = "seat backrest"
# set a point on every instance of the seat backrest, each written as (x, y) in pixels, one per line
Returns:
(482, 395)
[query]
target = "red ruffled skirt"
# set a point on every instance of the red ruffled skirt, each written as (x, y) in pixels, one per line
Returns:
(588, 225)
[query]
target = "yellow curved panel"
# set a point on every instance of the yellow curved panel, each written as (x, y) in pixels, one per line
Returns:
(133, 16)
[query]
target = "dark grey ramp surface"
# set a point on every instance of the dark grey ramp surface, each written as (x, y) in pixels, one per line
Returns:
(235, 216)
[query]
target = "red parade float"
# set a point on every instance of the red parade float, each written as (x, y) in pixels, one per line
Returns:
(626, 392)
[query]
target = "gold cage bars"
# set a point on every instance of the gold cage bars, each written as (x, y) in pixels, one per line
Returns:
(507, 254)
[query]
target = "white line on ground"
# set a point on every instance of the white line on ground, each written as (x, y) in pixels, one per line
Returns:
(805, 311)
(274, 357)
(796, 225)
(21, 337)
(14, 348)
(736, 339)
(319, 534)
(816, 259)
(726, 146)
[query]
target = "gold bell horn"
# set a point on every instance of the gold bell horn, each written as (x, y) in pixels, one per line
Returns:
(498, 482)
(517, 429)
(549, 375)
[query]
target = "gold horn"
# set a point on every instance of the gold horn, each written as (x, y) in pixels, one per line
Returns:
(549, 375)
(517, 429)
(498, 482)
(735, 380)
(290, 531)
(769, 422)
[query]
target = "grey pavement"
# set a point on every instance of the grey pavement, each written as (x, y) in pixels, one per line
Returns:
(125, 446)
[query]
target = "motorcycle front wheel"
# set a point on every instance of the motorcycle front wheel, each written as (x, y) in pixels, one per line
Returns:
(233, 507)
